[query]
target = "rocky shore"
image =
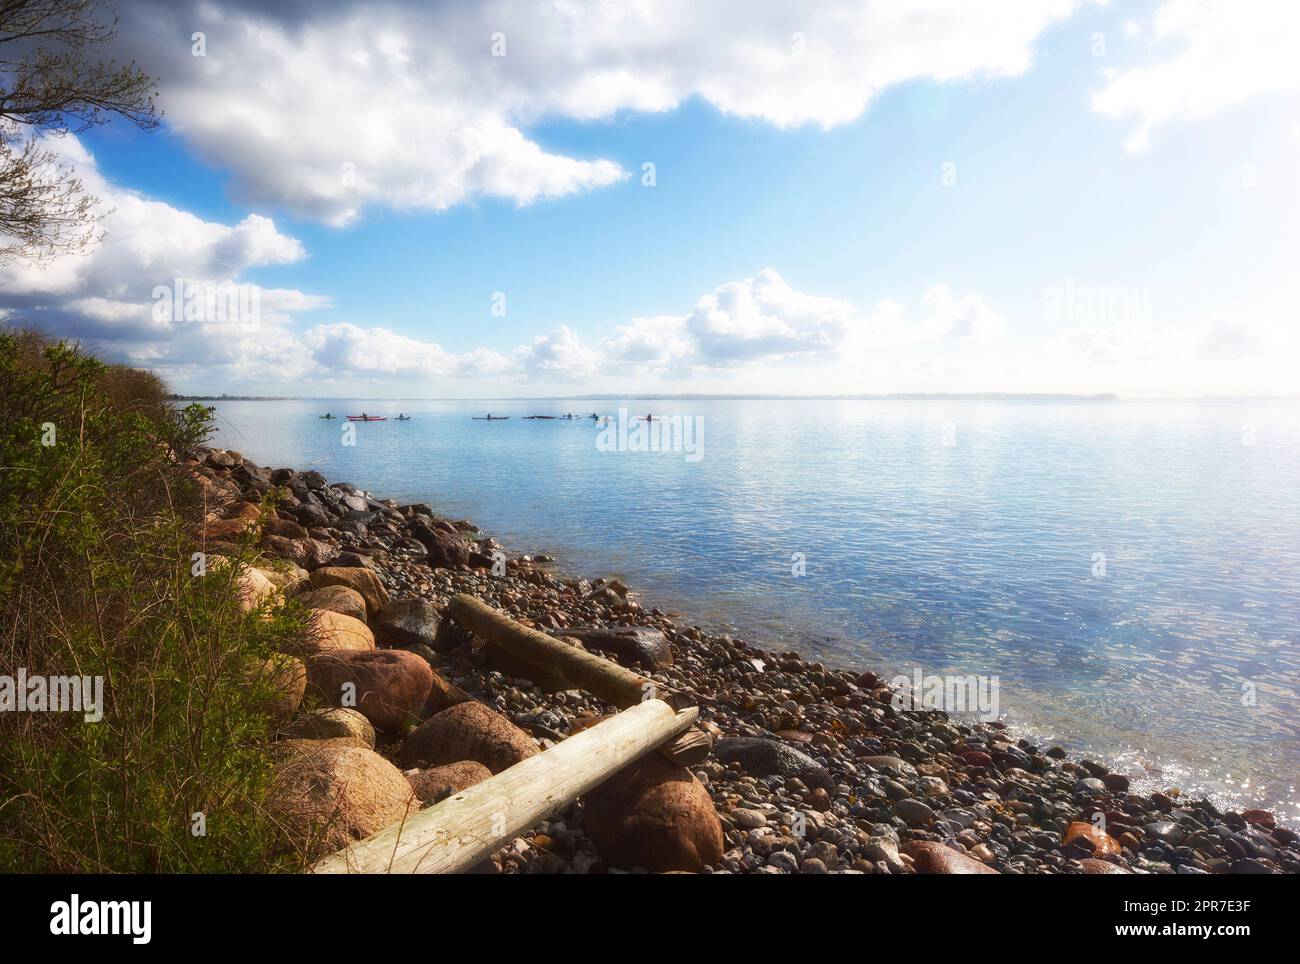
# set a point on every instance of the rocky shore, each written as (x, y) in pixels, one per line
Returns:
(812, 769)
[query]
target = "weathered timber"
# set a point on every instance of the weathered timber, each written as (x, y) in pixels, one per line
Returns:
(459, 832)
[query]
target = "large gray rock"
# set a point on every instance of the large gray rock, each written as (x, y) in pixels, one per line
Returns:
(762, 758)
(408, 622)
(641, 646)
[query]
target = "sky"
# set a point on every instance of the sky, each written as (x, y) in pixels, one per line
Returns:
(517, 198)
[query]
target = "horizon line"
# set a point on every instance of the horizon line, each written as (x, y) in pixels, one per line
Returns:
(709, 396)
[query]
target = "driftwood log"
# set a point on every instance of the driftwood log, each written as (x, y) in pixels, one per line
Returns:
(578, 668)
(460, 831)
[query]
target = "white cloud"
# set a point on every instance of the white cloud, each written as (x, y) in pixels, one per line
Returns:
(762, 317)
(965, 317)
(558, 354)
(412, 98)
(656, 345)
(107, 295)
(1227, 52)
(344, 350)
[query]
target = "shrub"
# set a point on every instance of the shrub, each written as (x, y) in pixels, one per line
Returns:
(99, 577)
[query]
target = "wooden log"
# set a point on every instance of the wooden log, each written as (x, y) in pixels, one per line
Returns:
(582, 670)
(459, 832)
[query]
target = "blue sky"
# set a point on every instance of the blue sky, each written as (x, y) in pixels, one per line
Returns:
(1015, 227)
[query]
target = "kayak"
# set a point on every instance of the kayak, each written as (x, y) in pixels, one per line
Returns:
(326, 416)
(402, 418)
(533, 418)
(367, 418)
(490, 418)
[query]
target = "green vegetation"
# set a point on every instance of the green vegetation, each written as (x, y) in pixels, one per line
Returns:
(98, 515)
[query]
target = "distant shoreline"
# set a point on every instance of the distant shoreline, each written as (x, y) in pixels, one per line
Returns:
(894, 397)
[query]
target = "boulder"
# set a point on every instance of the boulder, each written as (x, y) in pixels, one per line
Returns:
(308, 553)
(365, 582)
(764, 758)
(407, 622)
(641, 646)
(446, 550)
(312, 516)
(226, 530)
(330, 723)
(389, 686)
(252, 589)
(287, 678)
(929, 857)
(451, 636)
(339, 599)
(467, 731)
(223, 459)
(435, 783)
(328, 793)
(654, 814)
(1099, 842)
(331, 632)
(282, 527)
(286, 576)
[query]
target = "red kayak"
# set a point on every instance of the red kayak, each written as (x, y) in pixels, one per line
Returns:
(367, 418)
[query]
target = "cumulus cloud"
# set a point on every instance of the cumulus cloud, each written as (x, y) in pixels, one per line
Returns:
(166, 289)
(763, 317)
(557, 354)
(1222, 53)
(958, 317)
(326, 108)
(163, 286)
(654, 345)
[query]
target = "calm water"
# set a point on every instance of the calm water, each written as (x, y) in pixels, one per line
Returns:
(956, 537)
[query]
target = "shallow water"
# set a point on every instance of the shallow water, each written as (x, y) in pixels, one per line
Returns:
(957, 537)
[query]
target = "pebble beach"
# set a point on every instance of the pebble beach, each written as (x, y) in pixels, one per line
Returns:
(813, 769)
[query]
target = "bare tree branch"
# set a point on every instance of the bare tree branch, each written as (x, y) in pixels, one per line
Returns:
(51, 84)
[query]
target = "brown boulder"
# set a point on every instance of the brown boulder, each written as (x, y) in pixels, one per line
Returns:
(365, 582)
(332, 723)
(656, 815)
(252, 589)
(935, 858)
(339, 599)
(225, 530)
(388, 686)
(467, 731)
(328, 793)
(285, 528)
(287, 679)
(1103, 844)
(308, 553)
(447, 550)
(1259, 818)
(286, 576)
(435, 783)
(250, 511)
(331, 632)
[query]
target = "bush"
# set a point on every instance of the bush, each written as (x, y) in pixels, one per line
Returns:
(99, 578)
